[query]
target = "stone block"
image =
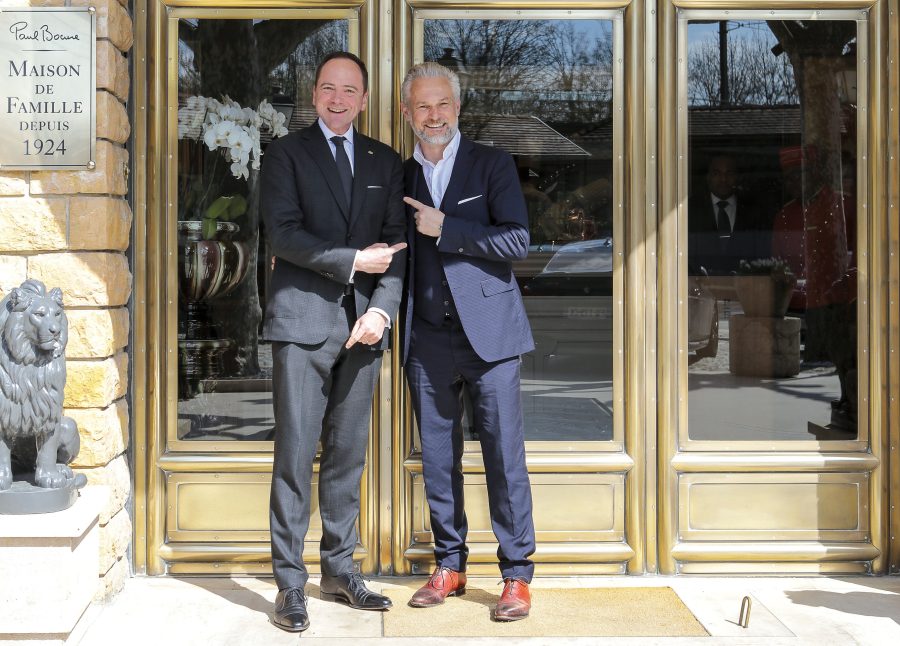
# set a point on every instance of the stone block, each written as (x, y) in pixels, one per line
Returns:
(96, 334)
(96, 384)
(15, 4)
(99, 223)
(115, 537)
(112, 582)
(107, 178)
(113, 21)
(13, 183)
(62, 547)
(112, 70)
(112, 118)
(32, 224)
(763, 346)
(103, 432)
(117, 481)
(13, 272)
(87, 279)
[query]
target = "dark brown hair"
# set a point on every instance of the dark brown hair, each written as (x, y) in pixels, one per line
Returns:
(349, 57)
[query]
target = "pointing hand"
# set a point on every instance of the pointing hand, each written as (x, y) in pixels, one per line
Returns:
(429, 220)
(376, 258)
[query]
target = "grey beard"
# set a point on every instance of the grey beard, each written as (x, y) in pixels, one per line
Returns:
(437, 140)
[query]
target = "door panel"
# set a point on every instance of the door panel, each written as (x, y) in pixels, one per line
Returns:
(232, 80)
(768, 463)
(545, 86)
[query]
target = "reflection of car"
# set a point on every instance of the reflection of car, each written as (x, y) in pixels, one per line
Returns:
(569, 304)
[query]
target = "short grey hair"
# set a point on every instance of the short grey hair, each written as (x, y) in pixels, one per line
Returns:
(429, 70)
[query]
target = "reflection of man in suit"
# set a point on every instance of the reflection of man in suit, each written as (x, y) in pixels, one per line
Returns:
(465, 327)
(722, 228)
(815, 233)
(334, 286)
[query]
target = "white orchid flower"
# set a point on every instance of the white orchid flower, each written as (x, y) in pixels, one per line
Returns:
(240, 170)
(231, 129)
(209, 138)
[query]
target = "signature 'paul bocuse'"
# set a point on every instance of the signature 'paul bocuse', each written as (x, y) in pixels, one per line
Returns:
(21, 31)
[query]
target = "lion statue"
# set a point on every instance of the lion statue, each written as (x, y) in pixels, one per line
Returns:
(33, 432)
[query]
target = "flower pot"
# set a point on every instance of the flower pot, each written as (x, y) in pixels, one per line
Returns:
(208, 269)
(764, 296)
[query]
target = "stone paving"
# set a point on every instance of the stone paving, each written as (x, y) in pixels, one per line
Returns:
(819, 611)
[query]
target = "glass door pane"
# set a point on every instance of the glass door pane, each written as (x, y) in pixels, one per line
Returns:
(241, 82)
(543, 91)
(772, 228)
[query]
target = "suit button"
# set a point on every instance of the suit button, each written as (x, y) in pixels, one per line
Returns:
(446, 302)
(349, 238)
(460, 250)
(444, 283)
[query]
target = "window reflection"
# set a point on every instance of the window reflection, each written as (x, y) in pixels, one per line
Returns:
(542, 91)
(254, 79)
(772, 228)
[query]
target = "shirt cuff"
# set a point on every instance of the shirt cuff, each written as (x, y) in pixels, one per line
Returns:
(353, 270)
(378, 310)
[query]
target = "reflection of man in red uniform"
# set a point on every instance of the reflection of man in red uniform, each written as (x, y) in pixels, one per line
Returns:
(815, 234)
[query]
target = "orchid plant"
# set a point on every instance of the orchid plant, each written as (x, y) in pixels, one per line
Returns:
(235, 132)
(228, 127)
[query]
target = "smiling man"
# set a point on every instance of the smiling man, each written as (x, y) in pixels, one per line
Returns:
(332, 207)
(465, 327)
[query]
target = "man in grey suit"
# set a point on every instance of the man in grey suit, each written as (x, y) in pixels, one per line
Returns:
(332, 205)
(465, 327)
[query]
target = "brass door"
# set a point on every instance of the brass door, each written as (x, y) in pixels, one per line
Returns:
(225, 81)
(647, 453)
(772, 444)
(546, 84)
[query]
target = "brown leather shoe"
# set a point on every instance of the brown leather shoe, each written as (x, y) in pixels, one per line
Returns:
(515, 602)
(443, 583)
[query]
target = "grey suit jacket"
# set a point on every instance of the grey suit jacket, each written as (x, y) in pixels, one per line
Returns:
(314, 234)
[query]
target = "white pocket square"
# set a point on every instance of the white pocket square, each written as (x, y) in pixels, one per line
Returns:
(469, 199)
(375, 186)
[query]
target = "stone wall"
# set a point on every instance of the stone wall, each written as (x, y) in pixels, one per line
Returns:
(71, 229)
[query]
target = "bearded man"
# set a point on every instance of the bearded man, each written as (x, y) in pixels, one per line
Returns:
(465, 327)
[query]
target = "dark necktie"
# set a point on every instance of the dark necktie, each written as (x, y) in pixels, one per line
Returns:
(722, 218)
(343, 166)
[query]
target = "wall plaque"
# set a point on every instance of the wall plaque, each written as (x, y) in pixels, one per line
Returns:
(47, 88)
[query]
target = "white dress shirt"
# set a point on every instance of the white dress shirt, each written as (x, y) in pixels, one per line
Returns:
(437, 176)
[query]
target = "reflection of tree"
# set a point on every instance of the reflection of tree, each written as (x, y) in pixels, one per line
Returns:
(237, 58)
(754, 75)
(552, 69)
(799, 66)
(297, 73)
(582, 68)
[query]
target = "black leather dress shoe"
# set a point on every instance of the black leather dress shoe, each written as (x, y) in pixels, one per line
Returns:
(351, 590)
(290, 610)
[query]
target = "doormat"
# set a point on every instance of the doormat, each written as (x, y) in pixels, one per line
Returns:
(555, 612)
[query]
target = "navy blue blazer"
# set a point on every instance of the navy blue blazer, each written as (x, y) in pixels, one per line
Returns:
(484, 231)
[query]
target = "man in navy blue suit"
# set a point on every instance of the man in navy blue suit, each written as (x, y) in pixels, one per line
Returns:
(466, 327)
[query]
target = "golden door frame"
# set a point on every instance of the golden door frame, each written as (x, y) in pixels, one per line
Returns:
(583, 472)
(798, 471)
(654, 459)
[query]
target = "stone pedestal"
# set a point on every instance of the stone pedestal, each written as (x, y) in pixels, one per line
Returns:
(763, 346)
(48, 568)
